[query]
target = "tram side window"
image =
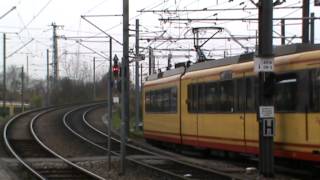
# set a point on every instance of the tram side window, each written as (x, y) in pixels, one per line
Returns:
(173, 99)
(162, 100)
(250, 95)
(147, 101)
(192, 98)
(315, 90)
(202, 98)
(153, 101)
(286, 92)
(159, 104)
(212, 97)
(165, 100)
(226, 96)
(239, 95)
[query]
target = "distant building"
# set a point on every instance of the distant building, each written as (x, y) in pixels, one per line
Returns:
(13, 107)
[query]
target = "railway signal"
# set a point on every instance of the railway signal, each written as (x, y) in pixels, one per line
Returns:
(115, 68)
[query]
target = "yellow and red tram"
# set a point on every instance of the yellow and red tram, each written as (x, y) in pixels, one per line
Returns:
(212, 104)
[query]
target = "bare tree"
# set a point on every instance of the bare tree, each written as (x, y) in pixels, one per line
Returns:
(77, 69)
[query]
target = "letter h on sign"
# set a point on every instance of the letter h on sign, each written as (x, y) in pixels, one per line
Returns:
(268, 127)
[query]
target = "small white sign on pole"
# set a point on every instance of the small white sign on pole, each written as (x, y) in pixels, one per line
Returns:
(266, 111)
(140, 57)
(263, 64)
(116, 100)
(268, 127)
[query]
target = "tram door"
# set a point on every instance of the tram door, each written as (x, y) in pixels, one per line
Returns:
(189, 112)
(240, 104)
(251, 127)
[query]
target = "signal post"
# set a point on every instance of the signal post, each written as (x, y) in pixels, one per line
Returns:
(110, 103)
(115, 68)
(265, 106)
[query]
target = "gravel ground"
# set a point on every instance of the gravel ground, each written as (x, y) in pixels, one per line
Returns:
(133, 172)
(7, 172)
(95, 118)
(3, 151)
(98, 165)
(56, 136)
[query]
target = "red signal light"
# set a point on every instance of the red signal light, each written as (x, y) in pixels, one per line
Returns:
(115, 70)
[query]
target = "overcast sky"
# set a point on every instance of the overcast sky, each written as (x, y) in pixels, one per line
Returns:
(32, 19)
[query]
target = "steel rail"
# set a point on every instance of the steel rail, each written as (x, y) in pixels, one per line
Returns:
(112, 138)
(155, 154)
(131, 159)
(77, 134)
(89, 173)
(11, 149)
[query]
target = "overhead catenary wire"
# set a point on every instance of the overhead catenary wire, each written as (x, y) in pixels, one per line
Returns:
(178, 5)
(208, 9)
(133, 18)
(102, 31)
(230, 19)
(96, 6)
(170, 40)
(37, 15)
(6, 13)
(98, 53)
(19, 48)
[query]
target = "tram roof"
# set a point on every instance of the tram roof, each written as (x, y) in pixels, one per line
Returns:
(278, 51)
(212, 63)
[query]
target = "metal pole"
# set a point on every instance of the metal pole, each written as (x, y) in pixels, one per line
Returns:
(266, 159)
(124, 86)
(22, 88)
(141, 78)
(141, 90)
(55, 55)
(48, 81)
(27, 80)
(94, 78)
(283, 32)
(305, 21)
(4, 75)
(158, 66)
(137, 79)
(110, 104)
(150, 60)
(141, 87)
(312, 29)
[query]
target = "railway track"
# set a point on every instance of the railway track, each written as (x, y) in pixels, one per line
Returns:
(74, 119)
(24, 144)
(232, 165)
(157, 162)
